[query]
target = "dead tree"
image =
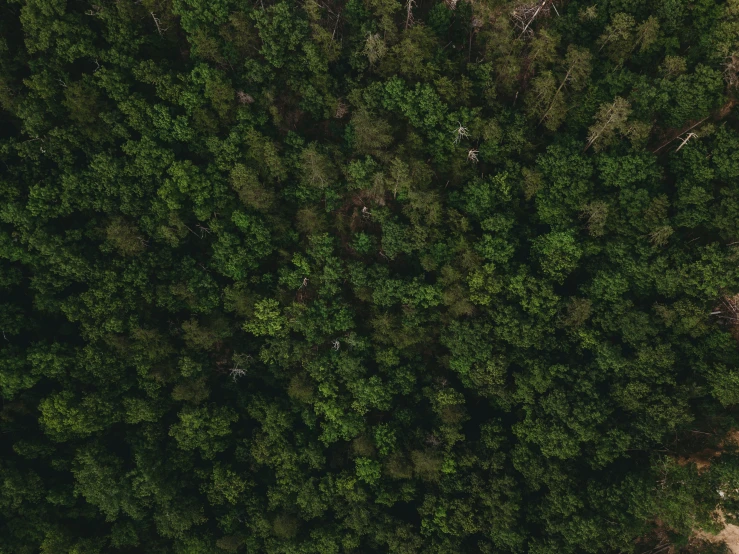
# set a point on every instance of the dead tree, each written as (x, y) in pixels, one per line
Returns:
(409, 5)
(461, 133)
(731, 70)
(525, 14)
(158, 23)
(244, 98)
(237, 372)
(728, 310)
(685, 140)
(691, 127)
(341, 110)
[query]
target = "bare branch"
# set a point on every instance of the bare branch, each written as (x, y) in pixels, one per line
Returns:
(686, 130)
(244, 98)
(461, 133)
(685, 140)
(203, 230)
(341, 110)
(409, 5)
(158, 23)
(525, 14)
(237, 372)
(731, 70)
(730, 311)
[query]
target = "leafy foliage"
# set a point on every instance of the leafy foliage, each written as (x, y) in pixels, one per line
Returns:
(367, 275)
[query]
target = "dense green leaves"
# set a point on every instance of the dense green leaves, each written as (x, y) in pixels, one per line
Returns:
(367, 275)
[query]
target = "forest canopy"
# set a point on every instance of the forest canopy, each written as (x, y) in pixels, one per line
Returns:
(357, 276)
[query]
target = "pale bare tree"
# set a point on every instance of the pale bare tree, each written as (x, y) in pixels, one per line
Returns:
(472, 156)
(409, 5)
(432, 440)
(731, 308)
(236, 372)
(461, 133)
(728, 310)
(685, 140)
(341, 110)
(731, 70)
(158, 23)
(525, 14)
(693, 126)
(244, 98)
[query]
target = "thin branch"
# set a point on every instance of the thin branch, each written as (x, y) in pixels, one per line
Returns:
(684, 131)
(599, 133)
(521, 14)
(567, 76)
(685, 141)
(461, 133)
(409, 21)
(158, 23)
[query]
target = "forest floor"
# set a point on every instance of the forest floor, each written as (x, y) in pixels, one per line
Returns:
(730, 533)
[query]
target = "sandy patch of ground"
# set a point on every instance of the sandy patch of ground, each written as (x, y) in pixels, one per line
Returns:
(730, 536)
